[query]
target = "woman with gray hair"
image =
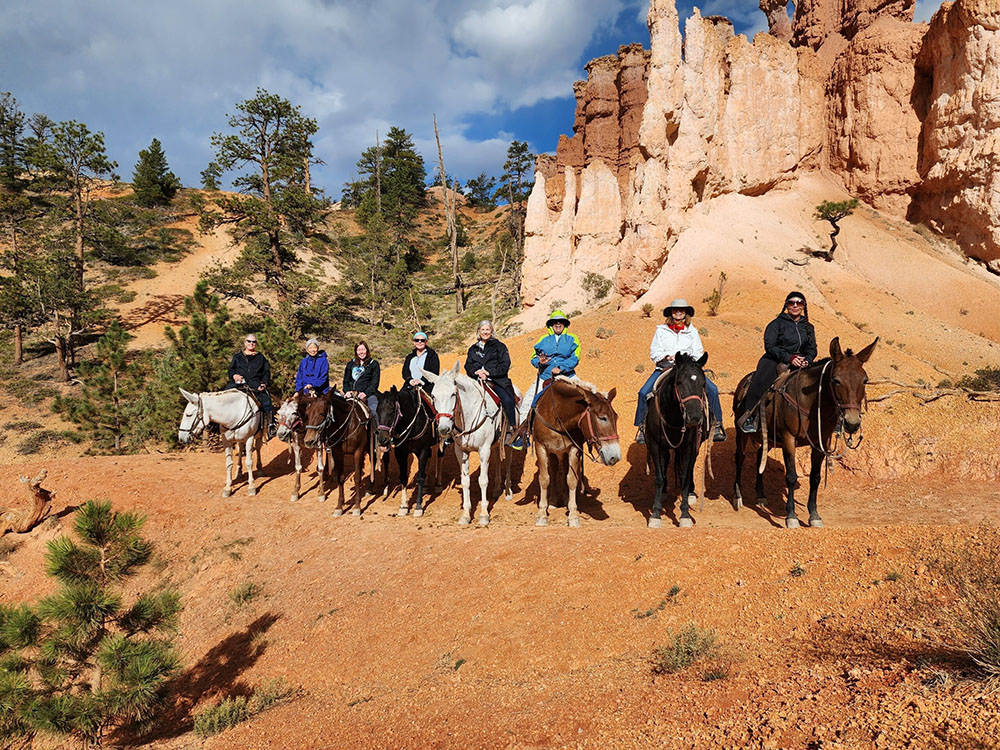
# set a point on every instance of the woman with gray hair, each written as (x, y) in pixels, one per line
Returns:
(314, 370)
(488, 359)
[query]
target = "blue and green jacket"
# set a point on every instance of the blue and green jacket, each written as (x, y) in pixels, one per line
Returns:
(564, 354)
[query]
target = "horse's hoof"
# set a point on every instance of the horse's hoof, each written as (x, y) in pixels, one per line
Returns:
(737, 503)
(321, 499)
(417, 512)
(541, 522)
(484, 520)
(574, 523)
(816, 523)
(356, 512)
(403, 511)
(654, 523)
(251, 492)
(293, 499)
(227, 493)
(464, 521)
(685, 523)
(338, 513)
(792, 523)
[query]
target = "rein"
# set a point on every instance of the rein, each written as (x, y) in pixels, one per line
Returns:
(664, 425)
(405, 436)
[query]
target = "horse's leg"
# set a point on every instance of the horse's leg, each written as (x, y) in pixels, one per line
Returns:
(229, 471)
(484, 485)
(251, 489)
(331, 471)
(574, 464)
(686, 472)
(791, 478)
(463, 462)
(258, 444)
(542, 459)
(403, 461)
(422, 458)
(738, 458)
(656, 458)
(815, 473)
(759, 481)
(359, 478)
(296, 448)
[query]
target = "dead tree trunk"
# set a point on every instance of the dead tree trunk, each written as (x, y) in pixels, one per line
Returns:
(449, 211)
(21, 520)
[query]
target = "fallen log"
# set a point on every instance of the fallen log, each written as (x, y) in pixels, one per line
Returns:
(22, 520)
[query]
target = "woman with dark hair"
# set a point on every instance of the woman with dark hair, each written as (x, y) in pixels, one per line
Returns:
(789, 339)
(362, 375)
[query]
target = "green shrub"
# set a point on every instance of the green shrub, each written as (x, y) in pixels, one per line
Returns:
(686, 647)
(596, 286)
(986, 379)
(245, 593)
(232, 711)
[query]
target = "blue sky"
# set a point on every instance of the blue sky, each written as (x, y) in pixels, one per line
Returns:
(492, 70)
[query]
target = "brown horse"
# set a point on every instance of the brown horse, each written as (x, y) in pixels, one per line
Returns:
(569, 415)
(342, 426)
(809, 407)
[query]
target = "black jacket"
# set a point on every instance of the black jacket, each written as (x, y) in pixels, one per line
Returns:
(431, 364)
(494, 358)
(254, 369)
(784, 338)
(367, 382)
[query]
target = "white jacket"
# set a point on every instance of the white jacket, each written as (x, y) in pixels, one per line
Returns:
(668, 343)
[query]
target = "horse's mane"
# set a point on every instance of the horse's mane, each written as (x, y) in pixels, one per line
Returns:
(583, 384)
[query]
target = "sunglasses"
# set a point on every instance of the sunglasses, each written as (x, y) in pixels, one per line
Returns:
(249, 341)
(794, 302)
(416, 340)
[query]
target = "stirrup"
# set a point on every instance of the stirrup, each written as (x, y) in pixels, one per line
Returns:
(640, 436)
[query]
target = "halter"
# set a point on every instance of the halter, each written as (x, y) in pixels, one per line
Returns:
(198, 417)
(593, 440)
(699, 397)
(483, 409)
(294, 424)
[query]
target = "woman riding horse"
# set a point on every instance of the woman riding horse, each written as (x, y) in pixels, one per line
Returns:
(489, 360)
(314, 370)
(362, 376)
(422, 359)
(249, 370)
(789, 339)
(676, 336)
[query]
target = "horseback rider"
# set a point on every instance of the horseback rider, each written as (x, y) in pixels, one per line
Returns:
(789, 339)
(314, 370)
(556, 353)
(488, 359)
(249, 370)
(422, 359)
(676, 336)
(362, 375)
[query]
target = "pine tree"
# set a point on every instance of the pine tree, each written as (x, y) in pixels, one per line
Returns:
(81, 661)
(153, 182)
(109, 388)
(211, 175)
(13, 147)
(204, 345)
(283, 354)
(480, 191)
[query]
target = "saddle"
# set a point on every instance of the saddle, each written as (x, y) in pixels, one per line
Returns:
(493, 394)
(428, 400)
(659, 380)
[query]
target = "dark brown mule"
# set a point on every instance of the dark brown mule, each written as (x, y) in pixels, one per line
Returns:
(340, 425)
(807, 408)
(572, 414)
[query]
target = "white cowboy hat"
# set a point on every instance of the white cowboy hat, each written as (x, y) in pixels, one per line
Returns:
(681, 304)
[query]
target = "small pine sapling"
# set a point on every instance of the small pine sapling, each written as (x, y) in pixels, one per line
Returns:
(833, 212)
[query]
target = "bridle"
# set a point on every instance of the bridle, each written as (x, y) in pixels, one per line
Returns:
(592, 440)
(405, 436)
(683, 426)
(198, 424)
(458, 413)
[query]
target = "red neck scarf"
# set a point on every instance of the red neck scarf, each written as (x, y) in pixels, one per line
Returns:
(676, 327)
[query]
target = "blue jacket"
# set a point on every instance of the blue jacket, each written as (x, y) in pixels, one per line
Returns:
(565, 355)
(314, 371)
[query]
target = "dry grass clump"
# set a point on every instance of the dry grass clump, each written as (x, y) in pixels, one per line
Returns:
(970, 579)
(232, 711)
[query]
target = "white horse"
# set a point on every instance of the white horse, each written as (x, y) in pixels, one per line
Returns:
(473, 419)
(292, 430)
(238, 415)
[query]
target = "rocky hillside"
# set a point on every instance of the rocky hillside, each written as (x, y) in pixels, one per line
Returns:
(899, 114)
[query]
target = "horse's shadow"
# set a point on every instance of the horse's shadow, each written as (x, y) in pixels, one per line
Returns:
(587, 495)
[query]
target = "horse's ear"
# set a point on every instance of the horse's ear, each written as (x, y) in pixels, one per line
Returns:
(189, 396)
(865, 353)
(393, 390)
(611, 394)
(835, 350)
(457, 368)
(703, 359)
(429, 375)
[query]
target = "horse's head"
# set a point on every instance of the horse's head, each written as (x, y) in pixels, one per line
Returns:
(689, 387)
(445, 398)
(386, 416)
(288, 418)
(603, 424)
(848, 379)
(316, 418)
(193, 420)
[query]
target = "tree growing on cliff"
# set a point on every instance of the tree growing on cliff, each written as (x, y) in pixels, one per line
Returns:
(833, 212)
(515, 187)
(153, 182)
(83, 661)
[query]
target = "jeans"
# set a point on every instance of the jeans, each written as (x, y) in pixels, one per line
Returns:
(711, 391)
(506, 403)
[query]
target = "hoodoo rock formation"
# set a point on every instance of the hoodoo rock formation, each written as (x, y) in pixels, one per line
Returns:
(905, 115)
